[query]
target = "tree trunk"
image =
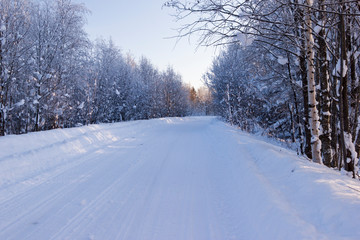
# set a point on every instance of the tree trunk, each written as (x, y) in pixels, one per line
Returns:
(299, 19)
(344, 113)
(334, 124)
(37, 114)
(296, 110)
(325, 137)
(2, 89)
(314, 115)
(292, 124)
(355, 98)
(304, 79)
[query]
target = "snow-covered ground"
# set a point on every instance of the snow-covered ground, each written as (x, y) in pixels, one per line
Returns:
(178, 178)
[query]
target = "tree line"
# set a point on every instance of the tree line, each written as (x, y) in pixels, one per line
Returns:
(289, 67)
(52, 75)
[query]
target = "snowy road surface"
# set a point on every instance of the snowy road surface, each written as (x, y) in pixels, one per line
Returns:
(179, 178)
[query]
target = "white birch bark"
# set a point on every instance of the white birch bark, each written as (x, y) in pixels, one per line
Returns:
(314, 114)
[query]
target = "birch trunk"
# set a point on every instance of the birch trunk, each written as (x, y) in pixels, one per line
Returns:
(314, 115)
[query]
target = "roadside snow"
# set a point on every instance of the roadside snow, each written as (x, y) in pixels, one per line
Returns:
(174, 178)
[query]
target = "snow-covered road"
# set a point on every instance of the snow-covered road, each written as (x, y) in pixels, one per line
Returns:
(178, 178)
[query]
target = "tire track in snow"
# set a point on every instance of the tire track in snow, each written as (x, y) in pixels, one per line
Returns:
(120, 187)
(42, 204)
(47, 185)
(37, 178)
(194, 178)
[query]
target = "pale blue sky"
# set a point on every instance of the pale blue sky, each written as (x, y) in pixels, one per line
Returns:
(141, 28)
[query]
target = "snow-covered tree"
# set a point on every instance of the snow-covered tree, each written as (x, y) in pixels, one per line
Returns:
(52, 76)
(58, 36)
(14, 55)
(315, 42)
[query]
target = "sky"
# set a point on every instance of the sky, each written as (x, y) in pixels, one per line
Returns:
(144, 28)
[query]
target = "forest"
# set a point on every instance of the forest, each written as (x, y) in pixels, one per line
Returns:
(53, 76)
(289, 67)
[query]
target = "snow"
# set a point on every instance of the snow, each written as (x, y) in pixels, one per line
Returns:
(244, 39)
(356, 54)
(351, 147)
(337, 70)
(38, 75)
(172, 178)
(81, 106)
(317, 29)
(281, 60)
(20, 103)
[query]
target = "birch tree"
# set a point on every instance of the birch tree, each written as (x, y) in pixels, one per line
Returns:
(314, 114)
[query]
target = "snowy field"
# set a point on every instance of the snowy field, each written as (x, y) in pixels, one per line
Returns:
(179, 178)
